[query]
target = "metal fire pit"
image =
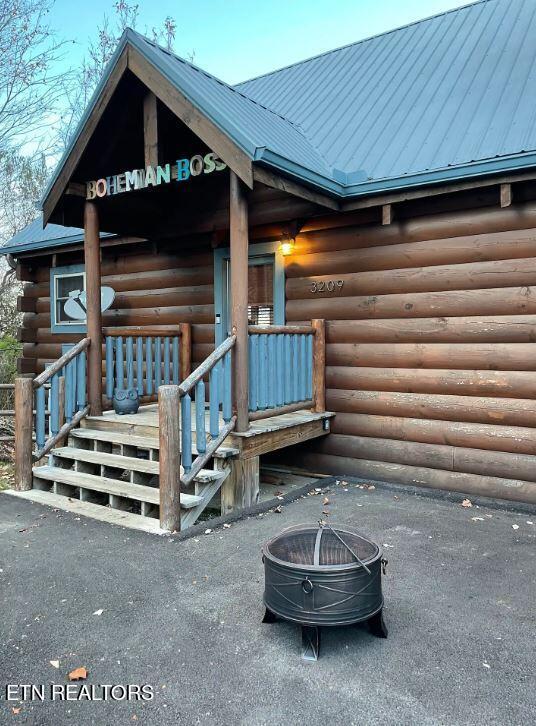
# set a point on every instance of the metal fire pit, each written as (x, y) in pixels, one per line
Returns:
(321, 575)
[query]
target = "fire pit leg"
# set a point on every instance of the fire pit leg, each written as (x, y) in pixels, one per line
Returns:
(310, 642)
(377, 626)
(269, 617)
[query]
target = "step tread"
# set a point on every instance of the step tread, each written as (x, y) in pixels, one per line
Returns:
(142, 442)
(117, 461)
(137, 492)
(93, 511)
(116, 437)
(128, 463)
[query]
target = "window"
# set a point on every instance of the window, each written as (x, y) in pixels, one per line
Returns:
(66, 282)
(266, 287)
(261, 292)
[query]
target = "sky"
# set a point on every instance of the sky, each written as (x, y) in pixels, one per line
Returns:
(239, 39)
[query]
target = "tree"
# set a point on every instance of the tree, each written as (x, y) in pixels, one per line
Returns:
(30, 84)
(22, 179)
(77, 93)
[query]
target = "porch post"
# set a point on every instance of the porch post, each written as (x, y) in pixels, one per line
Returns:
(93, 304)
(239, 298)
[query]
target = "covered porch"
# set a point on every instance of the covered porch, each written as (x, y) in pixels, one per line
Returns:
(203, 423)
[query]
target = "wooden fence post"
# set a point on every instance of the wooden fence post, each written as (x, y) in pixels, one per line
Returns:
(170, 459)
(186, 351)
(319, 365)
(23, 433)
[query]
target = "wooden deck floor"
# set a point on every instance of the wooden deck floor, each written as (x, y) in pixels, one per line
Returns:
(263, 436)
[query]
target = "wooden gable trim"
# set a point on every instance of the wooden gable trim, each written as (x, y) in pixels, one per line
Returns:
(277, 182)
(81, 143)
(199, 124)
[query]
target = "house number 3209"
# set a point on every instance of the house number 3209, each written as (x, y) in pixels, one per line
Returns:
(326, 285)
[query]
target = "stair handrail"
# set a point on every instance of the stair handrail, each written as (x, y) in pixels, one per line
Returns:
(59, 364)
(65, 381)
(175, 432)
(206, 366)
(210, 366)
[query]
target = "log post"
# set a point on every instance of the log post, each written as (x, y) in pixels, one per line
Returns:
(170, 474)
(319, 365)
(186, 350)
(23, 433)
(93, 305)
(239, 298)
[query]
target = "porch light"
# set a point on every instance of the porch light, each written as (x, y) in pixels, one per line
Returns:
(287, 247)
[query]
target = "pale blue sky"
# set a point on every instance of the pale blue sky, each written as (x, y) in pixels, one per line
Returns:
(238, 39)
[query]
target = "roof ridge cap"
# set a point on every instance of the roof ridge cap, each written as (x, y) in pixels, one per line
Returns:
(362, 40)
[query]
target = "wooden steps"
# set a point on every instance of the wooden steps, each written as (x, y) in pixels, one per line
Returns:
(115, 469)
(93, 511)
(114, 487)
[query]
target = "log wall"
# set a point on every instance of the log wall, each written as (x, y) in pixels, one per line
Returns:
(431, 339)
(153, 284)
(431, 348)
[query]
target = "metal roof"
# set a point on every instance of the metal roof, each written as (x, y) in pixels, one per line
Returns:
(444, 98)
(421, 101)
(34, 237)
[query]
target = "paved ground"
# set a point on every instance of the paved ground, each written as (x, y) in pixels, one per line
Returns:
(185, 617)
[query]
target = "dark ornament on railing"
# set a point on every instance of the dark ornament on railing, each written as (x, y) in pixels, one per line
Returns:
(126, 400)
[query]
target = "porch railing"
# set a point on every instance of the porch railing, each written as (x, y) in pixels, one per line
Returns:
(59, 398)
(176, 437)
(286, 369)
(146, 358)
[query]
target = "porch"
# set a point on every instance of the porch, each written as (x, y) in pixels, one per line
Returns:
(159, 468)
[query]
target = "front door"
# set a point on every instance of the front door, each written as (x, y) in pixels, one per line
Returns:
(266, 294)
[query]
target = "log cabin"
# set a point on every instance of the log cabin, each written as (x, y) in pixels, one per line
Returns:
(332, 266)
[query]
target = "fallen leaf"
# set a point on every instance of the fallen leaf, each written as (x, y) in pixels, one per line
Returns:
(98, 612)
(15, 709)
(467, 503)
(515, 526)
(54, 663)
(79, 674)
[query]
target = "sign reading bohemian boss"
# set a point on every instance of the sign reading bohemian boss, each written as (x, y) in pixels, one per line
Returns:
(128, 181)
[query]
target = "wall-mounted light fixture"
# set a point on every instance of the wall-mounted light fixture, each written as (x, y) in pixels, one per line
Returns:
(287, 247)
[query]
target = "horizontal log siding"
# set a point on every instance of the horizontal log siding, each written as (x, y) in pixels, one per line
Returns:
(152, 288)
(431, 349)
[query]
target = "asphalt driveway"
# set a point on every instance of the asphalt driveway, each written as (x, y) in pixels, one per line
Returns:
(185, 618)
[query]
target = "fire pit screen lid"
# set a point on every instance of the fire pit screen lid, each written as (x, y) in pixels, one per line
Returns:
(318, 546)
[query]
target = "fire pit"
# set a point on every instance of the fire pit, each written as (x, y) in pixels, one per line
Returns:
(322, 575)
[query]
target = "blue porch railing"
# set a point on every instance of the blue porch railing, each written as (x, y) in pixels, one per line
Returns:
(208, 434)
(61, 397)
(146, 358)
(280, 368)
